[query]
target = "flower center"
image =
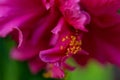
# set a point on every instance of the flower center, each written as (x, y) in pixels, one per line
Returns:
(74, 44)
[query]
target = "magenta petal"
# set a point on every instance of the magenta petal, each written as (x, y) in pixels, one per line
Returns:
(66, 66)
(83, 52)
(18, 36)
(51, 55)
(58, 28)
(103, 39)
(15, 25)
(56, 31)
(111, 50)
(45, 25)
(46, 3)
(73, 14)
(24, 52)
(54, 39)
(4, 10)
(7, 28)
(20, 4)
(101, 13)
(36, 65)
(57, 72)
(81, 58)
(80, 22)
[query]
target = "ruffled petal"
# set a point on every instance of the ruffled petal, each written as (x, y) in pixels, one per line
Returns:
(57, 72)
(47, 3)
(82, 60)
(51, 55)
(17, 37)
(73, 14)
(56, 32)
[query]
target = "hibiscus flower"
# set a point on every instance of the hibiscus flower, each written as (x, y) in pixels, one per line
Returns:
(48, 32)
(100, 38)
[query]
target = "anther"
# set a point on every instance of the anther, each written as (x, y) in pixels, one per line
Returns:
(66, 37)
(61, 47)
(63, 39)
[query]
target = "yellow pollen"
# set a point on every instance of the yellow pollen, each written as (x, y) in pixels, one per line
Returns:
(74, 45)
(66, 37)
(77, 47)
(71, 43)
(80, 49)
(73, 48)
(67, 53)
(72, 36)
(63, 39)
(75, 51)
(80, 43)
(61, 47)
(68, 49)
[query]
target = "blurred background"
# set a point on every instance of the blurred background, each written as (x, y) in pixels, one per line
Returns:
(15, 70)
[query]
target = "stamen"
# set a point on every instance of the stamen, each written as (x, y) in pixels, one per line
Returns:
(71, 43)
(74, 44)
(63, 39)
(61, 47)
(66, 37)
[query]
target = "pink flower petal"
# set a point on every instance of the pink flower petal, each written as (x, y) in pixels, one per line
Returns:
(57, 72)
(51, 55)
